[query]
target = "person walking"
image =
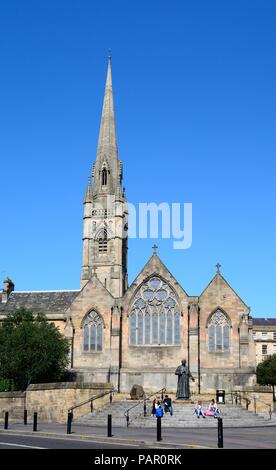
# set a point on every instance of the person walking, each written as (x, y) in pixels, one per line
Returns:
(159, 413)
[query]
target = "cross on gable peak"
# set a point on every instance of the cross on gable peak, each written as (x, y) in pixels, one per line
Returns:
(155, 247)
(218, 266)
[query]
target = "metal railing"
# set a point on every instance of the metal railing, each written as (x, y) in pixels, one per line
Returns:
(263, 403)
(237, 399)
(91, 401)
(144, 403)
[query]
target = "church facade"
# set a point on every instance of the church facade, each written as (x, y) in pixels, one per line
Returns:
(139, 334)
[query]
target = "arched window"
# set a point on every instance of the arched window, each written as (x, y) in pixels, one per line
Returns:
(102, 241)
(93, 333)
(104, 176)
(155, 315)
(219, 333)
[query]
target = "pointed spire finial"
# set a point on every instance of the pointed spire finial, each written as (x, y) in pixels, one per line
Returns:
(109, 54)
(107, 143)
(88, 194)
(218, 266)
(155, 247)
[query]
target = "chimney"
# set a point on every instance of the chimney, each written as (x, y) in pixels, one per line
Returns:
(8, 288)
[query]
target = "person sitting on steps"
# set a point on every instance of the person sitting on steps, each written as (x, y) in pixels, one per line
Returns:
(213, 407)
(168, 405)
(199, 410)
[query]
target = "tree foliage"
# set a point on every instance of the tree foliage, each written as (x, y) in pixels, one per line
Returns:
(32, 350)
(266, 371)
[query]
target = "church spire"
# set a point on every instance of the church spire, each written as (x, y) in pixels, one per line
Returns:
(105, 208)
(107, 144)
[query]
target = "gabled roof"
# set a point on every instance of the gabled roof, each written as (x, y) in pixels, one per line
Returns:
(95, 282)
(39, 302)
(153, 265)
(218, 274)
(264, 321)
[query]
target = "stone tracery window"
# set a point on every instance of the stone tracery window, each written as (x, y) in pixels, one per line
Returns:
(155, 315)
(219, 333)
(93, 333)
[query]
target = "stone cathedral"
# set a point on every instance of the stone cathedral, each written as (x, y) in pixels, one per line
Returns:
(139, 334)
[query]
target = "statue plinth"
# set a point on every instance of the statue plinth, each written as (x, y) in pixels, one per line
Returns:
(183, 402)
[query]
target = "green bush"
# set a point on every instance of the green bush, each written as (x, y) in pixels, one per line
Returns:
(6, 385)
(32, 350)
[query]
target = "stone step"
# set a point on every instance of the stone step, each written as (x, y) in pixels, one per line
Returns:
(183, 418)
(233, 416)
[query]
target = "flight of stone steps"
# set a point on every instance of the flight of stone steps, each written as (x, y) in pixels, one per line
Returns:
(233, 416)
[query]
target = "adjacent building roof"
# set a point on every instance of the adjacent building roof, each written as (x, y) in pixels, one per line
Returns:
(39, 302)
(264, 321)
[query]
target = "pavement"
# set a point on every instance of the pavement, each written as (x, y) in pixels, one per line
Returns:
(123, 437)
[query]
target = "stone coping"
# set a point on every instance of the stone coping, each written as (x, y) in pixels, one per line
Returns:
(70, 385)
(12, 394)
(203, 370)
(255, 388)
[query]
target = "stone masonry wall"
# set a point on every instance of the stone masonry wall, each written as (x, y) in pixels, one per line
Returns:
(52, 401)
(13, 402)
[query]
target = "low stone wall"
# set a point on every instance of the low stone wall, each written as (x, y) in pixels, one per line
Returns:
(13, 402)
(52, 401)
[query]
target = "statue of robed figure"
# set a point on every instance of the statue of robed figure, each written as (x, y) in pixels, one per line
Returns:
(183, 389)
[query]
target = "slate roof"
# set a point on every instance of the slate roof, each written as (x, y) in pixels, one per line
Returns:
(264, 321)
(44, 302)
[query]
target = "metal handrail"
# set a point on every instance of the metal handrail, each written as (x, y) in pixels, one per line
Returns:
(144, 401)
(247, 400)
(237, 395)
(261, 401)
(91, 400)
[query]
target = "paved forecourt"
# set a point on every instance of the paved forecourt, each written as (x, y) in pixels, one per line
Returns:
(234, 438)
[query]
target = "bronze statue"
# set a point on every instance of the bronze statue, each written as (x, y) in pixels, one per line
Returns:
(183, 389)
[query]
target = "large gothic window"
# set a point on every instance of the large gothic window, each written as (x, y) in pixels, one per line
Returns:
(93, 333)
(219, 333)
(102, 241)
(155, 315)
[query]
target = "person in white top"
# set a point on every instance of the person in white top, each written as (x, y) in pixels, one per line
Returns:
(199, 410)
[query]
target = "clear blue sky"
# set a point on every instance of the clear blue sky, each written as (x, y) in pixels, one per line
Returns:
(194, 86)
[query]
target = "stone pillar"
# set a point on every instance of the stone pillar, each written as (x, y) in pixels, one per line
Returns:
(193, 344)
(244, 341)
(115, 346)
(69, 332)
